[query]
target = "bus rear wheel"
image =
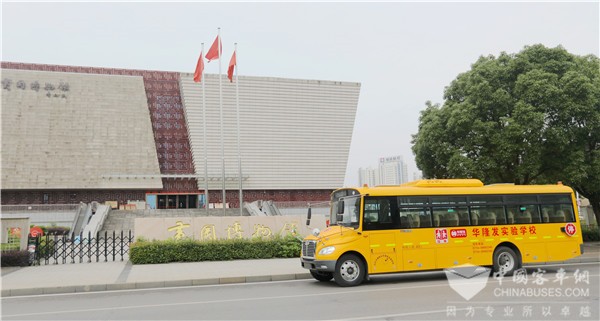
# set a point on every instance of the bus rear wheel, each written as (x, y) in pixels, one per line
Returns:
(321, 276)
(506, 261)
(349, 270)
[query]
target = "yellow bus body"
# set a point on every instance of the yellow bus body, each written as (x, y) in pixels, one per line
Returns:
(435, 247)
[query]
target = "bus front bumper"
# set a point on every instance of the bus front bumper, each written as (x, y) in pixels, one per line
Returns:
(322, 266)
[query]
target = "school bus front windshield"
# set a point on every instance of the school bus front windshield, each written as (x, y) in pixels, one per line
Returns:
(345, 211)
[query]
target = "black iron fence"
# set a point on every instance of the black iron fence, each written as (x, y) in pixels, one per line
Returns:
(61, 249)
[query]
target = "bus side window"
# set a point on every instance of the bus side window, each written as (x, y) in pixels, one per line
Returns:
(437, 220)
(424, 217)
(487, 218)
(524, 217)
(384, 212)
(405, 220)
(535, 214)
(557, 217)
(415, 220)
(510, 215)
(568, 210)
(500, 215)
(474, 217)
(547, 212)
(463, 218)
(525, 214)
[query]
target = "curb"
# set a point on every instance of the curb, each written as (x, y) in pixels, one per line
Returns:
(152, 284)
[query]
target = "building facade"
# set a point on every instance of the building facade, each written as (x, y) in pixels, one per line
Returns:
(80, 134)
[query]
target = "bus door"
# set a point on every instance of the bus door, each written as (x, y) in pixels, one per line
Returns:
(380, 226)
(416, 238)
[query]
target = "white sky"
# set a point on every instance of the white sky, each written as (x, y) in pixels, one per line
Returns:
(403, 53)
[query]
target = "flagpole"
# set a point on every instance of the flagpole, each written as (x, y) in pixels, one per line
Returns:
(221, 112)
(206, 202)
(237, 103)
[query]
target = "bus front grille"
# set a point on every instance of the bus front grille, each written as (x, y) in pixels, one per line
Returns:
(308, 248)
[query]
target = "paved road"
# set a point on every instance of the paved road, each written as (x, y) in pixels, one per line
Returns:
(421, 296)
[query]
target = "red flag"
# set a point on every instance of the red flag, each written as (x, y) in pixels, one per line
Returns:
(213, 52)
(232, 64)
(199, 69)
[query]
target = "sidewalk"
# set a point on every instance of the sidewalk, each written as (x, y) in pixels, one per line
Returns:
(108, 276)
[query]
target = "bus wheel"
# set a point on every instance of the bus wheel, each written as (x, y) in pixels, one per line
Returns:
(321, 276)
(349, 270)
(506, 261)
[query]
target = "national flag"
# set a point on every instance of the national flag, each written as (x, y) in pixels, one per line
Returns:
(215, 50)
(232, 64)
(199, 69)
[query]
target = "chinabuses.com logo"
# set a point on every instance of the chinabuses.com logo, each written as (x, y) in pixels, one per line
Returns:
(467, 280)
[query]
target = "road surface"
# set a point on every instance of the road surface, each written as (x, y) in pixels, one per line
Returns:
(537, 294)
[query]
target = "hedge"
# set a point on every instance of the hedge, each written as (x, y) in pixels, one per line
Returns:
(155, 252)
(55, 230)
(591, 233)
(15, 258)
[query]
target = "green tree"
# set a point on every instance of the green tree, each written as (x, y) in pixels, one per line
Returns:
(526, 118)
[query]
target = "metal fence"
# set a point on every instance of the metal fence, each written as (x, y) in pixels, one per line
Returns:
(61, 249)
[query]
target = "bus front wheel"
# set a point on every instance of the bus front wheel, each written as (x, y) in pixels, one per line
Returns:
(506, 261)
(349, 270)
(321, 276)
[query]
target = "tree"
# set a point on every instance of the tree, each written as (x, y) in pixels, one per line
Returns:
(526, 118)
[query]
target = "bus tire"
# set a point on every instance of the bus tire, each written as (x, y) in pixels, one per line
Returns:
(321, 276)
(506, 261)
(349, 270)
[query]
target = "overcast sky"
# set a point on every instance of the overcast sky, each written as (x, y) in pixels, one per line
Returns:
(402, 53)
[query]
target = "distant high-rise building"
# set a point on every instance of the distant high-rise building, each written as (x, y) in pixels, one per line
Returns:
(392, 171)
(369, 176)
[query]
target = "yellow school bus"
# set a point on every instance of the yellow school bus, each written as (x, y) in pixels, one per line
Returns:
(436, 224)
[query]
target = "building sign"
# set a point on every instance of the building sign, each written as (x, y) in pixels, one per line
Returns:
(52, 90)
(226, 227)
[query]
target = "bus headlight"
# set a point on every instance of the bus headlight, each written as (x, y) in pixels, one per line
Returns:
(327, 250)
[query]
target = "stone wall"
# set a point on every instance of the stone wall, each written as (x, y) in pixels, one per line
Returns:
(74, 130)
(230, 227)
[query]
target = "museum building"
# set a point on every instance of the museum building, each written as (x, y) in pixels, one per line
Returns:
(80, 134)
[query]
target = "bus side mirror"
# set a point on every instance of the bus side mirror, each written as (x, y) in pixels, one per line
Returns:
(339, 217)
(308, 216)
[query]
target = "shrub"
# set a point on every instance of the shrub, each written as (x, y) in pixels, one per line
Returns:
(15, 258)
(46, 247)
(10, 246)
(56, 230)
(154, 252)
(590, 233)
